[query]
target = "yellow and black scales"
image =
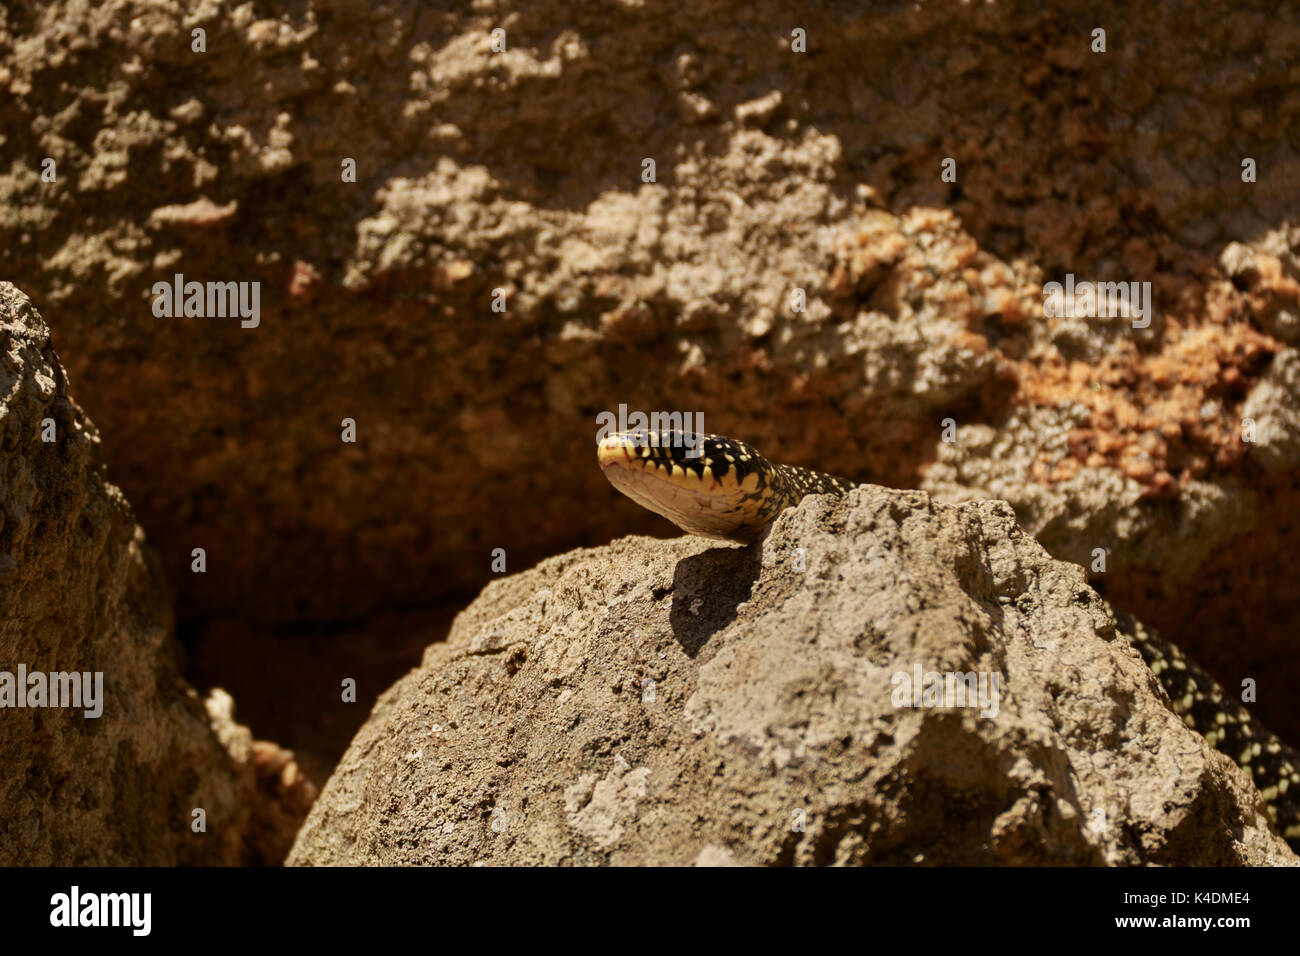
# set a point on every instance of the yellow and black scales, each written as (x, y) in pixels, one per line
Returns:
(722, 488)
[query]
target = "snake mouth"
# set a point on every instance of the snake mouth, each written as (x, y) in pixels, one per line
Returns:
(665, 462)
(655, 481)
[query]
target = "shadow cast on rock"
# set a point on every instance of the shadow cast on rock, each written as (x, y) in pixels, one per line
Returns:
(708, 588)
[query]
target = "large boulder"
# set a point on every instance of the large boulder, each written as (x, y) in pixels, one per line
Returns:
(676, 702)
(116, 780)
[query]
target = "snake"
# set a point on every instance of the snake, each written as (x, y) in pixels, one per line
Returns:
(722, 488)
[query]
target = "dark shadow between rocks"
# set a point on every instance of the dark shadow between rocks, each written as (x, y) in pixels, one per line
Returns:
(707, 591)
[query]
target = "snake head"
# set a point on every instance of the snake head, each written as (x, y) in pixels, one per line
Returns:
(708, 485)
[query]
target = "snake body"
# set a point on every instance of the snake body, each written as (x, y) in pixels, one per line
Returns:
(723, 488)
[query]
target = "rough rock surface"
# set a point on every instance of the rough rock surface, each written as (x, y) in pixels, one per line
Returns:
(776, 171)
(80, 591)
(677, 702)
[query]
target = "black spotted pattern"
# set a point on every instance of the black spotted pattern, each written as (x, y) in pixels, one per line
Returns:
(721, 455)
(799, 482)
(1228, 726)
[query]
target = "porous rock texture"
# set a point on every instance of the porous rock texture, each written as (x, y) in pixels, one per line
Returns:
(520, 169)
(80, 591)
(678, 702)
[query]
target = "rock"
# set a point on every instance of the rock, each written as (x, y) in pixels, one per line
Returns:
(278, 792)
(778, 174)
(80, 591)
(1271, 290)
(677, 702)
(1273, 407)
(776, 171)
(1090, 507)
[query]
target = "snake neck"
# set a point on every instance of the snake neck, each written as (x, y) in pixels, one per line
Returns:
(781, 487)
(797, 483)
